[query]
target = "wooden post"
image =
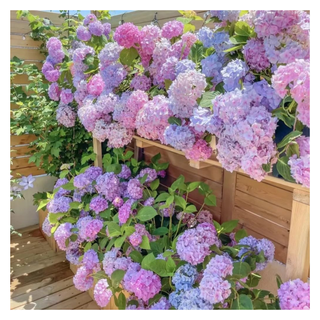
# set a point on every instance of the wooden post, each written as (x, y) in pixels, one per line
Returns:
(298, 258)
(98, 151)
(228, 195)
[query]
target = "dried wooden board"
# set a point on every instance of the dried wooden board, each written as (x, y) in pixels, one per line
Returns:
(228, 195)
(21, 151)
(40, 293)
(51, 299)
(26, 54)
(89, 306)
(18, 262)
(266, 192)
(18, 163)
(18, 289)
(26, 171)
(22, 139)
(265, 227)
(263, 208)
(46, 262)
(72, 303)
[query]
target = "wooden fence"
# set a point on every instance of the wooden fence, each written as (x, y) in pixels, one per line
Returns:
(22, 46)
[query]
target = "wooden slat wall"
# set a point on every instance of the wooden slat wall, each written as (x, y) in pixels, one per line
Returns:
(263, 209)
(27, 50)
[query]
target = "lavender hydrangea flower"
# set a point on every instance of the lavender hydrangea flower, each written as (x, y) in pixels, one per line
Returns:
(83, 33)
(47, 226)
(66, 116)
(59, 204)
(73, 254)
(109, 54)
(189, 300)
(89, 19)
(294, 295)
(151, 174)
(180, 137)
(91, 261)
(214, 289)
(108, 185)
(255, 55)
(117, 202)
(162, 304)
(96, 28)
(194, 244)
(63, 233)
(172, 29)
(66, 96)
(82, 279)
(225, 15)
(184, 65)
(89, 228)
(220, 266)
(54, 91)
(141, 82)
(232, 73)
(98, 204)
(125, 211)
(102, 293)
(135, 189)
(125, 172)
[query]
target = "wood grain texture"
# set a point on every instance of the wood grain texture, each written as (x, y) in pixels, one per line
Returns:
(72, 303)
(266, 192)
(22, 139)
(266, 228)
(20, 151)
(26, 171)
(228, 195)
(298, 259)
(98, 151)
(26, 54)
(17, 41)
(19, 163)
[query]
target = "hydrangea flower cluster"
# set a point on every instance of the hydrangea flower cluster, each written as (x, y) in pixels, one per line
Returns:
(294, 295)
(136, 238)
(102, 294)
(194, 245)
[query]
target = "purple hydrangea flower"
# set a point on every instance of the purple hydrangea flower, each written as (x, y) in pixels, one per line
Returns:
(214, 289)
(47, 226)
(83, 33)
(96, 28)
(172, 29)
(59, 204)
(108, 185)
(180, 137)
(125, 210)
(135, 189)
(151, 174)
(117, 202)
(184, 65)
(127, 35)
(162, 304)
(83, 280)
(102, 293)
(232, 73)
(66, 96)
(54, 91)
(91, 261)
(98, 204)
(63, 233)
(89, 228)
(125, 172)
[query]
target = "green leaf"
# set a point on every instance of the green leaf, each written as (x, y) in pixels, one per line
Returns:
(293, 149)
(266, 167)
(239, 39)
(136, 256)
(243, 29)
(128, 55)
(118, 243)
(145, 264)
(74, 237)
(260, 294)
(105, 214)
(234, 48)
(53, 217)
(110, 244)
(240, 234)
(114, 229)
(210, 200)
(159, 267)
(121, 301)
(240, 270)
(196, 52)
(243, 302)
(170, 266)
(206, 99)
(289, 138)
(192, 186)
(146, 213)
(87, 246)
(176, 184)
(154, 184)
(284, 169)
(228, 226)
(191, 208)
(129, 230)
(189, 28)
(279, 281)
(174, 120)
(74, 205)
(184, 20)
(63, 173)
(253, 280)
(181, 202)
(103, 242)
(162, 197)
(116, 277)
(116, 168)
(281, 114)
(43, 203)
(167, 84)
(160, 231)
(145, 244)
(68, 186)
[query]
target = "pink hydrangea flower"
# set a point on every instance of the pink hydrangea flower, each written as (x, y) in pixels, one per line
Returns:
(95, 85)
(127, 35)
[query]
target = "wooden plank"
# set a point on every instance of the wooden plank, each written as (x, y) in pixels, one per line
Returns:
(89, 306)
(46, 262)
(51, 299)
(298, 260)
(26, 171)
(213, 173)
(18, 163)
(40, 293)
(27, 230)
(26, 54)
(51, 241)
(22, 139)
(17, 41)
(265, 227)
(98, 151)
(280, 250)
(277, 196)
(263, 208)
(27, 247)
(72, 303)
(301, 196)
(228, 195)
(26, 254)
(21, 151)
(18, 289)
(18, 262)
(54, 17)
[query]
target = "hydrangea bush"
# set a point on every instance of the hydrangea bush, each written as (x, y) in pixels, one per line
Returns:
(236, 78)
(150, 248)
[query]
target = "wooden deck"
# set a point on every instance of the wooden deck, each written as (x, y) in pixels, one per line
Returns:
(41, 278)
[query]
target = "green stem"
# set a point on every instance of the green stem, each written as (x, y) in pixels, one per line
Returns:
(200, 210)
(179, 224)
(170, 226)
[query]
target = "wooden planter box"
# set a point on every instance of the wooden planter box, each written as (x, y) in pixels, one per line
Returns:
(50, 240)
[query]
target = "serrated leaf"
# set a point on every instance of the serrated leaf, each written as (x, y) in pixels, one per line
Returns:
(114, 229)
(191, 208)
(159, 267)
(240, 234)
(119, 242)
(210, 200)
(145, 264)
(284, 169)
(162, 197)
(174, 120)
(127, 56)
(240, 270)
(228, 226)
(116, 277)
(136, 256)
(206, 99)
(160, 231)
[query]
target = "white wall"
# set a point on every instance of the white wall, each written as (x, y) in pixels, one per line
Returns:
(25, 213)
